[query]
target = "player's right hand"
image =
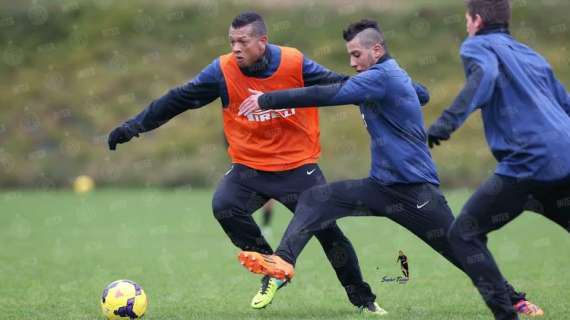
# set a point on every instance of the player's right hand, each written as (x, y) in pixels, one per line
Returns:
(251, 104)
(120, 134)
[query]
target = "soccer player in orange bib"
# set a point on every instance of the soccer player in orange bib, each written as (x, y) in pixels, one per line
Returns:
(274, 153)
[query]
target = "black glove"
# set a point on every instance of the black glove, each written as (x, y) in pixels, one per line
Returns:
(436, 133)
(121, 134)
(434, 141)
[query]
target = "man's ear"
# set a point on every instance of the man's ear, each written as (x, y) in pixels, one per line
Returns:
(378, 50)
(264, 39)
(479, 22)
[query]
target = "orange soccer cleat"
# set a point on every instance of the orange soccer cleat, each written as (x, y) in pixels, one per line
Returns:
(270, 265)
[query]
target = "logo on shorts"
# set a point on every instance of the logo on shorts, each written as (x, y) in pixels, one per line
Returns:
(310, 172)
(419, 206)
(266, 115)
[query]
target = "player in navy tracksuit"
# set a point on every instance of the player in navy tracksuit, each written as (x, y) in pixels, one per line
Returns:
(403, 184)
(525, 113)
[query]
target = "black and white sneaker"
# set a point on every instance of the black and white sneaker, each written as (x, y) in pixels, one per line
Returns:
(373, 308)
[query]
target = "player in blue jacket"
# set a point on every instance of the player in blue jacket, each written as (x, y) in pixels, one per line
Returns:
(403, 184)
(525, 112)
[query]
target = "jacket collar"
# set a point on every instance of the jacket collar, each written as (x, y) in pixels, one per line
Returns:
(384, 58)
(494, 28)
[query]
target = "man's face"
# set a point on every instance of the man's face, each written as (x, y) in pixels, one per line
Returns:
(246, 47)
(473, 24)
(361, 58)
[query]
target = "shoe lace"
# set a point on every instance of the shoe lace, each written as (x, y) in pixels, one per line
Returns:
(369, 306)
(265, 281)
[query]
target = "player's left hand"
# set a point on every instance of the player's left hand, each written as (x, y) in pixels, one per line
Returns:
(433, 141)
(250, 104)
(122, 134)
(435, 136)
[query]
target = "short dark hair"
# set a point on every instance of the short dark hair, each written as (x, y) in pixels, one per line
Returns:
(250, 18)
(355, 28)
(491, 11)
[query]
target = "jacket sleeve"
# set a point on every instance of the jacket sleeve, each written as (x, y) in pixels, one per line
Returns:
(316, 74)
(200, 91)
(481, 69)
(562, 96)
(422, 92)
(355, 90)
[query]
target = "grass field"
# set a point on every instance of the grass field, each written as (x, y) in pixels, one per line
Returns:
(58, 250)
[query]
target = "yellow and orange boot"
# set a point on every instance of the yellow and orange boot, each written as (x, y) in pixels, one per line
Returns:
(269, 265)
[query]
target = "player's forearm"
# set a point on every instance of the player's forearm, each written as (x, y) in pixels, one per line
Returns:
(567, 108)
(562, 95)
(422, 92)
(171, 104)
(454, 116)
(324, 78)
(315, 74)
(298, 98)
(566, 104)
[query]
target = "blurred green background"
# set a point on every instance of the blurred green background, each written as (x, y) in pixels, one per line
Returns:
(70, 71)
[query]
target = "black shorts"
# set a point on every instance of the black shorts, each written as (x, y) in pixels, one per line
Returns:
(249, 189)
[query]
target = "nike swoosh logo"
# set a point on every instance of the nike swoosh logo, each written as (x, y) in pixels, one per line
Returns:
(229, 171)
(268, 260)
(419, 206)
(311, 171)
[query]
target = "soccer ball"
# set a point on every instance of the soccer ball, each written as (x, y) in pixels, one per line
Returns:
(123, 299)
(83, 184)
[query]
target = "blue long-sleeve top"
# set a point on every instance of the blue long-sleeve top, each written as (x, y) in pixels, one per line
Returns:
(392, 114)
(210, 84)
(525, 108)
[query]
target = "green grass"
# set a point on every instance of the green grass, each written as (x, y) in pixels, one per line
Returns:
(58, 250)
